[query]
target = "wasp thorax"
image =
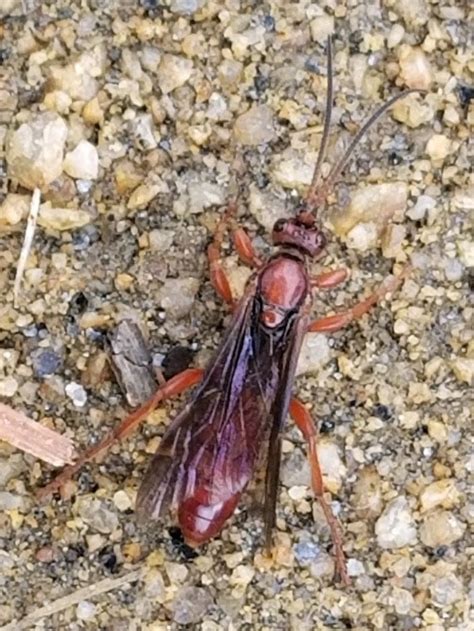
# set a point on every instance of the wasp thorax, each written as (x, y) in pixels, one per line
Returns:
(300, 235)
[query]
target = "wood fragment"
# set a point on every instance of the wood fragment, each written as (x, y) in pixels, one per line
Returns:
(27, 242)
(33, 438)
(132, 363)
(84, 593)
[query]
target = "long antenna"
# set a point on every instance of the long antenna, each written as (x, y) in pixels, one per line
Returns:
(344, 159)
(317, 192)
(327, 123)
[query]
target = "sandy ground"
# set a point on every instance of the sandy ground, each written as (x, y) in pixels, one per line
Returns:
(136, 120)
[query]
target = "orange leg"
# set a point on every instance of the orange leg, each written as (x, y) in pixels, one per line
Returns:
(245, 248)
(242, 244)
(303, 420)
(328, 280)
(176, 385)
(332, 323)
(219, 279)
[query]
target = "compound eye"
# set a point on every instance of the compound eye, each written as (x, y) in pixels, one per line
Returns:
(279, 225)
(321, 240)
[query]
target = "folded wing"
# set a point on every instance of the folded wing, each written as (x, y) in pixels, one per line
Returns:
(210, 451)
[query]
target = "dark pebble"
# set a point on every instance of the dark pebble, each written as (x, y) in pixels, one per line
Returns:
(46, 362)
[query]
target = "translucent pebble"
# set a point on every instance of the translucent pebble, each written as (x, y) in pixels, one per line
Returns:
(85, 610)
(83, 161)
(441, 528)
(190, 605)
(255, 127)
(96, 514)
(35, 151)
(76, 393)
(395, 528)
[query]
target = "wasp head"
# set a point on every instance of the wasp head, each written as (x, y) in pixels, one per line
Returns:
(299, 233)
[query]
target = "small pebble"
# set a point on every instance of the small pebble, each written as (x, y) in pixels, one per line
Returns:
(423, 204)
(293, 172)
(45, 555)
(463, 368)
(83, 162)
(160, 240)
(11, 501)
(205, 194)
(295, 469)
(395, 35)
(86, 610)
(8, 387)
(122, 501)
(176, 296)
(76, 393)
(441, 493)
(331, 464)
(173, 72)
(453, 270)
(322, 566)
(321, 28)
(95, 514)
(13, 210)
(440, 528)
(402, 601)
(132, 552)
(466, 251)
(315, 353)
(355, 567)
(154, 585)
(392, 240)
(371, 209)
(11, 467)
(34, 152)
(79, 78)
(190, 605)
(144, 132)
(446, 590)
(306, 552)
(185, 7)
(46, 362)
(92, 112)
(242, 575)
(395, 528)
(177, 572)
(367, 498)
(62, 219)
(255, 127)
(127, 178)
(438, 147)
(415, 69)
(413, 12)
(142, 196)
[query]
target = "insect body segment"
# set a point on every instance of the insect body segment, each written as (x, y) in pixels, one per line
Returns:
(299, 234)
(283, 286)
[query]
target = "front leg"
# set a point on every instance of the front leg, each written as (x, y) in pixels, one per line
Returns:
(242, 244)
(328, 280)
(330, 324)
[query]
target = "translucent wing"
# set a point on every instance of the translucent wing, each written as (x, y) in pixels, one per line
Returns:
(211, 449)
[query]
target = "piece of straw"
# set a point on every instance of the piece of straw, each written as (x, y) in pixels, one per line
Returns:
(84, 593)
(27, 241)
(33, 438)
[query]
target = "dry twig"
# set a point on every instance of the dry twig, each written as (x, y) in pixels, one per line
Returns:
(84, 593)
(26, 247)
(33, 438)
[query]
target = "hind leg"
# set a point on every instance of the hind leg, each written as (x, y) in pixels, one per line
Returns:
(305, 423)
